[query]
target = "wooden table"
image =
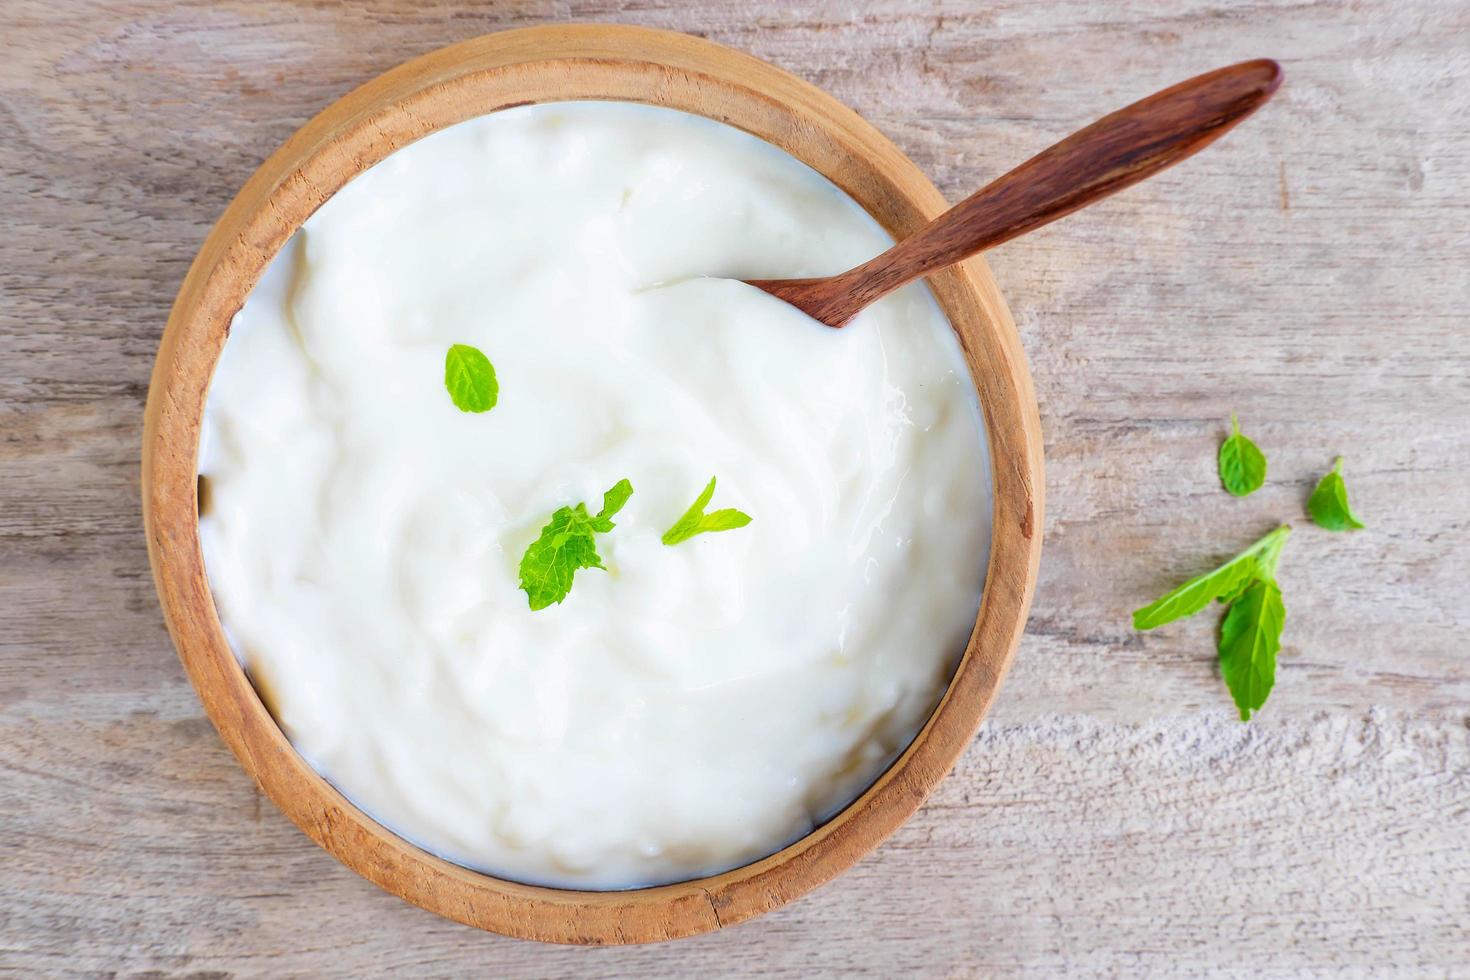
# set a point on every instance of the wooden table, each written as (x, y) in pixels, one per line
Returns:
(1312, 273)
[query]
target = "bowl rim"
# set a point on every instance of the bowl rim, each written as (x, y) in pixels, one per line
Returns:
(472, 78)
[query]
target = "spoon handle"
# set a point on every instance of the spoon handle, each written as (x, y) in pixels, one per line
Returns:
(1113, 153)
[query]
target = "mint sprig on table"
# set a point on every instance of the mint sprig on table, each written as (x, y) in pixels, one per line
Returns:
(696, 521)
(1250, 635)
(469, 377)
(1242, 464)
(567, 544)
(1328, 504)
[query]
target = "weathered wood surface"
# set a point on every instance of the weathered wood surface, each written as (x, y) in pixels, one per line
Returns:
(1312, 272)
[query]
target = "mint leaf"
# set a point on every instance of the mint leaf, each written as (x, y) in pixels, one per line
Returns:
(612, 502)
(1328, 504)
(567, 544)
(470, 379)
(722, 520)
(1228, 581)
(1250, 638)
(1242, 464)
(696, 521)
(686, 527)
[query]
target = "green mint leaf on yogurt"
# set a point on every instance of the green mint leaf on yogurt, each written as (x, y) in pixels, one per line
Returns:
(1228, 583)
(469, 378)
(696, 521)
(1328, 504)
(568, 543)
(612, 502)
(1250, 637)
(1242, 464)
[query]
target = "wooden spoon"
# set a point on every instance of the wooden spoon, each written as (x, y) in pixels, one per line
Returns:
(1111, 154)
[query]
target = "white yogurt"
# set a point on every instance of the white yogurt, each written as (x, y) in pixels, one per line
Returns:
(692, 707)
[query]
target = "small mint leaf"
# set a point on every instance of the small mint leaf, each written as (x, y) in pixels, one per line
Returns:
(469, 377)
(696, 521)
(1328, 504)
(1242, 464)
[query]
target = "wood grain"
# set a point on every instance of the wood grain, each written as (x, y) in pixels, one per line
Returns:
(1111, 818)
(1104, 157)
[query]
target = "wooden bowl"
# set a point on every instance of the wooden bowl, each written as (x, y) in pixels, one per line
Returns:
(545, 64)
